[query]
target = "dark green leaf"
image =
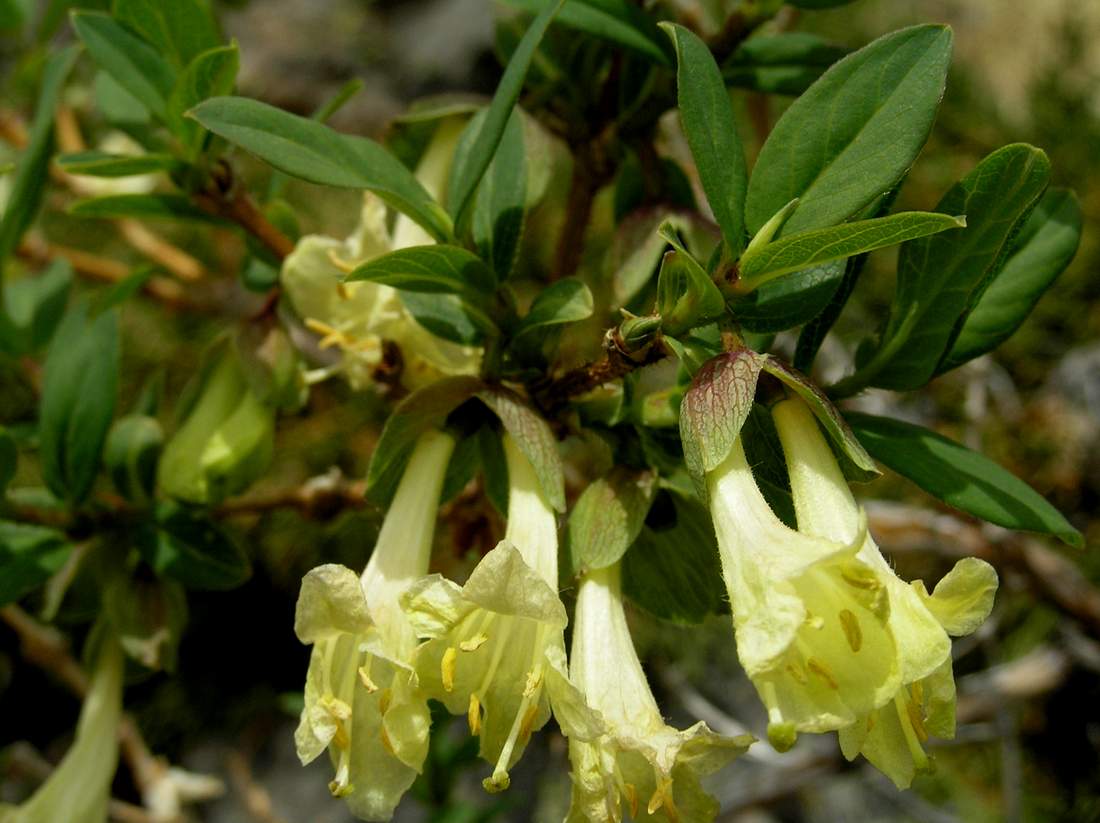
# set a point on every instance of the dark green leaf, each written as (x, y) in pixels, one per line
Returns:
(131, 455)
(35, 305)
(102, 164)
(1043, 249)
(162, 206)
(960, 477)
(29, 556)
(707, 115)
(534, 438)
(32, 172)
(116, 104)
(310, 150)
(795, 252)
(608, 517)
(672, 570)
(467, 171)
(787, 63)
(212, 73)
(79, 391)
(764, 451)
(854, 133)
(133, 63)
(178, 29)
(502, 201)
(123, 290)
(565, 301)
(147, 617)
(186, 545)
(941, 278)
(790, 300)
(618, 21)
(422, 410)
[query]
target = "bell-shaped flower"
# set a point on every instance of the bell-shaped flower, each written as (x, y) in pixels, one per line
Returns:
(492, 643)
(892, 734)
(637, 762)
(79, 789)
(357, 317)
(361, 699)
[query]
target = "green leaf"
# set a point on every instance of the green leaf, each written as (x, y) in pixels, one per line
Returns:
(424, 409)
(565, 301)
(764, 451)
(789, 301)
(672, 570)
(312, 151)
(133, 63)
(9, 459)
(102, 164)
(711, 130)
(212, 73)
(608, 517)
(1042, 251)
(446, 316)
(686, 296)
(795, 252)
(116, 104)
(131, 455)
(35, 305)
(941, 278)
(501, 205)
(79, 391)
(467, 171)
(715, 408)
(617, 21)
(854, 133)
(32, 172)
(960, 477)
(787, 63)
(818, 4)
(178, 29)
(29, 556)
(435, 269)
(534, 438)
(148, 617)
(157, 206)
(186, 545)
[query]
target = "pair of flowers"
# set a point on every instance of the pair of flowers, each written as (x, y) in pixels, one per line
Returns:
(830, 636)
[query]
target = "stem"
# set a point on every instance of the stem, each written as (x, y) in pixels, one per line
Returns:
(222, 197)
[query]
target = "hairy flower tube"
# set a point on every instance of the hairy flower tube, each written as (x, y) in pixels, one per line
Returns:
(637, 762)
(361, 699)
(357, 317)
(79, 789)
(492, 643)
(893, 734)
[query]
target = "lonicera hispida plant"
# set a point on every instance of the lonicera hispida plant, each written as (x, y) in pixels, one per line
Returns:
(585, 259)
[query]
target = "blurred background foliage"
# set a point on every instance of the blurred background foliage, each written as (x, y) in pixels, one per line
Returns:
(1029, 741)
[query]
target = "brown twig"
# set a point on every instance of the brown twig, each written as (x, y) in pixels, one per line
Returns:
(318, 498)
(224, 197)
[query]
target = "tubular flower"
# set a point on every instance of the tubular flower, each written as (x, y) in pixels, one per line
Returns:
(636, 757)
(357, 317)
(892, 734)
(361, 699)
(77, 791)
(492, 643)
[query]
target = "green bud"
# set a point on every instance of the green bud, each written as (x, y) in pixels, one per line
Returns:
(636, 332)
(131, 455)
(225, 441)
(686, 296)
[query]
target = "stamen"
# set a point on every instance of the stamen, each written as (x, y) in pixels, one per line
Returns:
(343, 265)
(534, 682)
(447, 668)
(814, 621)
(474, 643)
(631, 798)
(822, 671)
(916, 751)
(795, 671)
(866, 582)
(850, 623)
(364, 676)
(473, 714)
(384, 736)
(340, 786)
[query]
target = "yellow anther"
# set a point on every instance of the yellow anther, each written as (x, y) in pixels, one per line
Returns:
(474, 643)
(534, 681)
(850, 623)
(822, 671)
(342, 291)
(336, 707)
(346, 266)
(447, 668)
(364, 678)
(865, 581)
(528, 723)
(473, 714)
(384, 736)
(631, 798)
(916, 718)
(795, 671)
